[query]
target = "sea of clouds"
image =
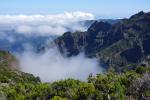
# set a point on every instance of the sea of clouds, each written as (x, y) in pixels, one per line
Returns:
(41, 25)
(49, 65)
(52, 66)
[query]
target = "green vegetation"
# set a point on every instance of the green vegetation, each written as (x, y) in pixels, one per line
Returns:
(8, 72)
(108, 86)
(16, 85)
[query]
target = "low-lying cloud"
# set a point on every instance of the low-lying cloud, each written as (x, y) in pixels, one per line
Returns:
(21, 30)
(41, 25)
(51, 65)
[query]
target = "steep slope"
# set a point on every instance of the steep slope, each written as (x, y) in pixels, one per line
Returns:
(123, 45)
(9, 73)
(133, 45)
(73, 43)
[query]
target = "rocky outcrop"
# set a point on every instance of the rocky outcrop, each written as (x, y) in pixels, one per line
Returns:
(123, 45)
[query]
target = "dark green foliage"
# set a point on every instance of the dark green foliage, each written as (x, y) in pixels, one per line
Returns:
(142, 69)
(73, 89)
(106, 86)
(27, 91)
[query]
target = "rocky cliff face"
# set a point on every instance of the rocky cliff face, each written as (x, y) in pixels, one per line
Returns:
(123, 45)
(90, 41)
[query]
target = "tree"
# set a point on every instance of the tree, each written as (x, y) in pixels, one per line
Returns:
(140, 86)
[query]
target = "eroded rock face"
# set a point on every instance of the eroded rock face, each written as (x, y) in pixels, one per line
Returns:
(97, 37)
(121, 45)
(89, 41)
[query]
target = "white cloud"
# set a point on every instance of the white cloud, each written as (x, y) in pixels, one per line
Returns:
(51, 65)
(9, 38)
(24, 29)
(41, 25)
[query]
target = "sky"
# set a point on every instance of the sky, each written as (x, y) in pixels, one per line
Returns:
(100, 8)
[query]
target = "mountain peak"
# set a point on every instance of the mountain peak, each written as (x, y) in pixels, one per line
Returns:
(119, 45)
(99, 26)
(140, 15)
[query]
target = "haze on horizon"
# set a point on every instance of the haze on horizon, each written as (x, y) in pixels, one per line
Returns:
(101, 8)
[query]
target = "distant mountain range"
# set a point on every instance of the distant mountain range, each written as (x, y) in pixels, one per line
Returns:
(121, 45)
(14, 42)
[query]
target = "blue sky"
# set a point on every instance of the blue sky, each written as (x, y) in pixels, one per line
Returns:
(100, 8)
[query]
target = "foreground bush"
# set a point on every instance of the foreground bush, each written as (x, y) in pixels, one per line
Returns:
(108, 86)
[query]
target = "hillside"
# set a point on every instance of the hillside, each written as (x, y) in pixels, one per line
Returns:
(9, 72)
(16, 85)
(123, 45)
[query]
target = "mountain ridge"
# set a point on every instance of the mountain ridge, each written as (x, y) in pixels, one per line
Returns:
(123, 45)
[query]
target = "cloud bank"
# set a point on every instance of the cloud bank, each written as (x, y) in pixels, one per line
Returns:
(51, 65)
(42, 25)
